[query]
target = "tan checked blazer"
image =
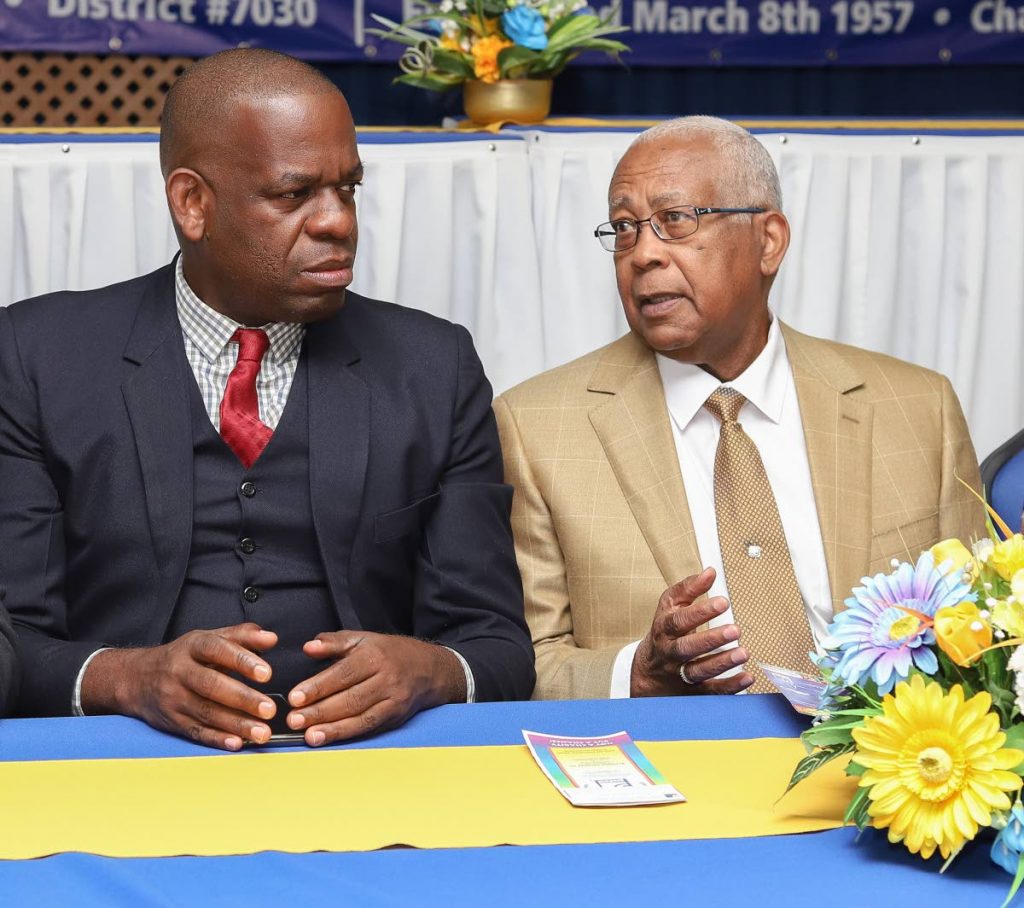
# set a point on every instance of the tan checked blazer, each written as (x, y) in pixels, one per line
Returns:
(600, 516)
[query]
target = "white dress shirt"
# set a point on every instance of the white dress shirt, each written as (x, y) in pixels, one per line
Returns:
(771, 418)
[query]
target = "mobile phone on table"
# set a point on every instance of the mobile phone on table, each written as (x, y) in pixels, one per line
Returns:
(280, 734)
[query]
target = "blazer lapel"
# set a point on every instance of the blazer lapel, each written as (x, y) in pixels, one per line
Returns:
(339, 443)
(633, 428)
(837, 430)
(156, 395)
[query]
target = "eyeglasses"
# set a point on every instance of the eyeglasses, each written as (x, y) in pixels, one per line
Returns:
(668, 224)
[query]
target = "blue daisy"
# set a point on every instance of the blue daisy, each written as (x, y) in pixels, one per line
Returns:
(886, 628)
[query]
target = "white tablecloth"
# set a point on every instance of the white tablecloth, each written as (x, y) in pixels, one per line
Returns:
(912, 248)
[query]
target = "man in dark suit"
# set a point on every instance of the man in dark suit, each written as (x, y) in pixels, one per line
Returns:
(229, 478)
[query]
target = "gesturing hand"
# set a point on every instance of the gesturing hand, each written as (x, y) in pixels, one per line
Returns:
(674, 642)
(377, 681)
(184, 686)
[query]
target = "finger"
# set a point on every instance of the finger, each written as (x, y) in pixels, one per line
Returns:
(250, 635)
(686, 619)
(707, 668)
(223, 652)
(731, 685)
(208, 717)
(690, 588)
(381, 716)
(337, 677)
(342, 705)
(214, 686)
(699, 643)
(334, 644)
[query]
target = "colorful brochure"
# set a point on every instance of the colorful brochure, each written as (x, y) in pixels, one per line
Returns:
(600, 772)
(803, 691)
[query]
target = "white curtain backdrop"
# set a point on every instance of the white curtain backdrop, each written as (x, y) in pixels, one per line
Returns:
(914, 248)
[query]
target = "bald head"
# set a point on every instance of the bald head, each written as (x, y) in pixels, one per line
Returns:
(746, 173)
(210, 92)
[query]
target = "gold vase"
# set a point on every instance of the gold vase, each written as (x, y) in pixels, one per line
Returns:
(521, 101)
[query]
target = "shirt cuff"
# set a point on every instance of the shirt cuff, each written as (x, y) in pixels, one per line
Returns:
(470, 682)
(622, 670)
(76, 697)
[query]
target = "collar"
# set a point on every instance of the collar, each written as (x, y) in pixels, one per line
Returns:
(763, 383)
(211, 331)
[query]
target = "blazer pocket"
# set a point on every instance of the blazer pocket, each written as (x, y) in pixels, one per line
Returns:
(907, 541)
(396, 524)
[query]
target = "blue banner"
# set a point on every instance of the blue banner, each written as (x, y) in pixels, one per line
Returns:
(664, 32)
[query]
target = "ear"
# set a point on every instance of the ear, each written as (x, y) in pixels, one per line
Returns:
(190, 198)
(774, 241)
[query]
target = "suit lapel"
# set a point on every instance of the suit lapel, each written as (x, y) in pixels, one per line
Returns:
(633, 428)
(156, 396)
(339, 443)
(837, 430)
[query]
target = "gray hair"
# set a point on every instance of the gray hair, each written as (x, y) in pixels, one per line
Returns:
(749, 176)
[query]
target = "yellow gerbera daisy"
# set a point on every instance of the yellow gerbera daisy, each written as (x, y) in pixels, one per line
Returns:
(935, 766)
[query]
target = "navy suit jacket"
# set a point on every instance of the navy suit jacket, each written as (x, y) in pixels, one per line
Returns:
(409, 507)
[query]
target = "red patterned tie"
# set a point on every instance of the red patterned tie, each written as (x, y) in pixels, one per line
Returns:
(240, 424)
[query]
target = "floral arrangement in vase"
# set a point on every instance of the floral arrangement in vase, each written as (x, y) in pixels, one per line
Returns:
(924, 694)
(454, 41)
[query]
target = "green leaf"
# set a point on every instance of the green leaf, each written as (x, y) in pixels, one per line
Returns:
(866, 711)
(834, 731)
(575, 30)
(815, 761)
(514, 58)
(605, 45)
(429, 82)
(1017, 880)
(450, 62)
(857, 812)
(1015, 738)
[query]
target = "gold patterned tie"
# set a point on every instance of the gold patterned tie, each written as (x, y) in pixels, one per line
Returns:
(766, 601)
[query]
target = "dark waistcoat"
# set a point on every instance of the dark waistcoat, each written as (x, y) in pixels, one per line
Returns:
(254, 553)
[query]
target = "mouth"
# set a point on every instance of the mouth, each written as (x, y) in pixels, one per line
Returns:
(655, 304)
(330, 273)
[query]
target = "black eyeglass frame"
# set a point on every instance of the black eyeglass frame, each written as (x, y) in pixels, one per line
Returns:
(697, 212)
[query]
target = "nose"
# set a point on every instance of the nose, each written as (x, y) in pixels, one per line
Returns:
(334, 217)
(650, 250)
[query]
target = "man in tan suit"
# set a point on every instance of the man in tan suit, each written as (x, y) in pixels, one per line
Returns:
(618, 502)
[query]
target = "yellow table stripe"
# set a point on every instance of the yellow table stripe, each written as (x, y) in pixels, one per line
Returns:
(358, 800)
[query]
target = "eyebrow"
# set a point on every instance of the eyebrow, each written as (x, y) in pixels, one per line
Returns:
(296, 178)
(662, 200)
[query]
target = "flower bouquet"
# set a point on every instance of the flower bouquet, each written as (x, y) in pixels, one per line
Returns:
(924, 675)
(454, 41)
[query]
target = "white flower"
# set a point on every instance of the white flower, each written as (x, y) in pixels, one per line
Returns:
(1016, 665)
(446, 6)
(983, 548)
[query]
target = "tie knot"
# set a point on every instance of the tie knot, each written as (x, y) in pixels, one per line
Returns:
(726, 404)
(252, 344)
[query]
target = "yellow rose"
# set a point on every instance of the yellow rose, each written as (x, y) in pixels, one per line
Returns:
(1008, 556)
(961, 632)
(952, 550)
(485, 57)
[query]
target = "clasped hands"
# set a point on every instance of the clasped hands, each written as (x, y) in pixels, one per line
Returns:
(375, 682)
(676, 657)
